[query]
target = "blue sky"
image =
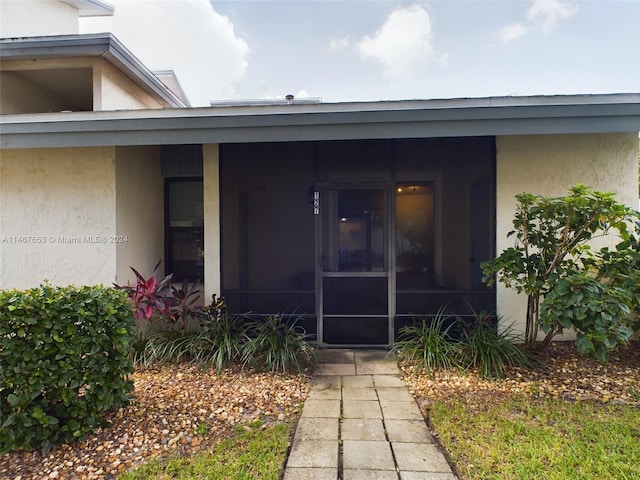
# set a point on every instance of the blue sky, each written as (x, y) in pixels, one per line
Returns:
(383, 50)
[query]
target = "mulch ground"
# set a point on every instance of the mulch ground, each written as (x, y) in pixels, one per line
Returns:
(182, 410)
(176, 410)
(562, 373)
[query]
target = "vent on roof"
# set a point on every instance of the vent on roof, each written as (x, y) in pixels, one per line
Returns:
(287, 100)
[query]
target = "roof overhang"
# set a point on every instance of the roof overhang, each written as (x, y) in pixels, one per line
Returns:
(326, 121)
(90, 45)
(91, 8)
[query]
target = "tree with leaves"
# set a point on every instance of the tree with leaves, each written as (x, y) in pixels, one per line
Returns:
(568, 284)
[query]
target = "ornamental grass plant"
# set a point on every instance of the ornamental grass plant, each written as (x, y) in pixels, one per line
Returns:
(490, 350)
(278, 344)
(427, 344)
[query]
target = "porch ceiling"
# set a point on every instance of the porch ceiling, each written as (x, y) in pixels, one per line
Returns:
(328, 121)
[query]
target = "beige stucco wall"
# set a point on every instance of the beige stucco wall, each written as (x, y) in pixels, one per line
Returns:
(139, 212)
(57, 216)
(20, 95)
(106, 87)
(114, 91)
(550, 165)
(69, 83)
(211, 185)
(31, 18)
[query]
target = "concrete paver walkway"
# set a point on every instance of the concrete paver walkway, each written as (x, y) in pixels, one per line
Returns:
(361, 423)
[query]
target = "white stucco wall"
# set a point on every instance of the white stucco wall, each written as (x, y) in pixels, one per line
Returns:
(139, 212)
(550, 165)
(57, 216)
(31, 18)
(211, 184)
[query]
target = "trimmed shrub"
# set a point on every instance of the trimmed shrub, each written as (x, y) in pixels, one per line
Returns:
(64, 363)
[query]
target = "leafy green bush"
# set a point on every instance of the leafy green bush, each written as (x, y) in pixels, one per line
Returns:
(490, 350)
(427, 344)
(598, 311)
(276, 344)
(553, 263)
(64, 362)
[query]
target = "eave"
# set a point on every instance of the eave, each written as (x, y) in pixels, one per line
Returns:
(340, 121)
(91, 8)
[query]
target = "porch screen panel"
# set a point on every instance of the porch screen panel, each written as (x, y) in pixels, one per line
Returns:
(268, 247)
(355, 160)
(414, 236)
(445, 219)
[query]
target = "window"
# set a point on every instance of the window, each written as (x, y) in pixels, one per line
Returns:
(185, 228)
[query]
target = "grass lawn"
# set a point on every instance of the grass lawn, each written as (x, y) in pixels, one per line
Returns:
(259, 453)
(517, 437)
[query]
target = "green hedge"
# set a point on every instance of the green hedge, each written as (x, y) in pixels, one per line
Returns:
(64, 362)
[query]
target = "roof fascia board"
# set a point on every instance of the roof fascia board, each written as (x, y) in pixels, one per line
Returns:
(90, 45)
(133, 137)
(210, 126)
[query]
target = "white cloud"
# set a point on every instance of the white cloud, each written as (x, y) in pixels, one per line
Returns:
(403, 42)
(542, 15)
(340, 43)
(512, 32)
(546, 14)
(188, 36)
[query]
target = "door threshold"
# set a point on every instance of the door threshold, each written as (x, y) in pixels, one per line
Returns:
(341, 346)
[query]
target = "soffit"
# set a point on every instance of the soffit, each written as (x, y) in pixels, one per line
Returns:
(91, 8)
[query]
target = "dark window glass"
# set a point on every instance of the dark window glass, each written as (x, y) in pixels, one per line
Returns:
(185, 229)
(353, 231)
